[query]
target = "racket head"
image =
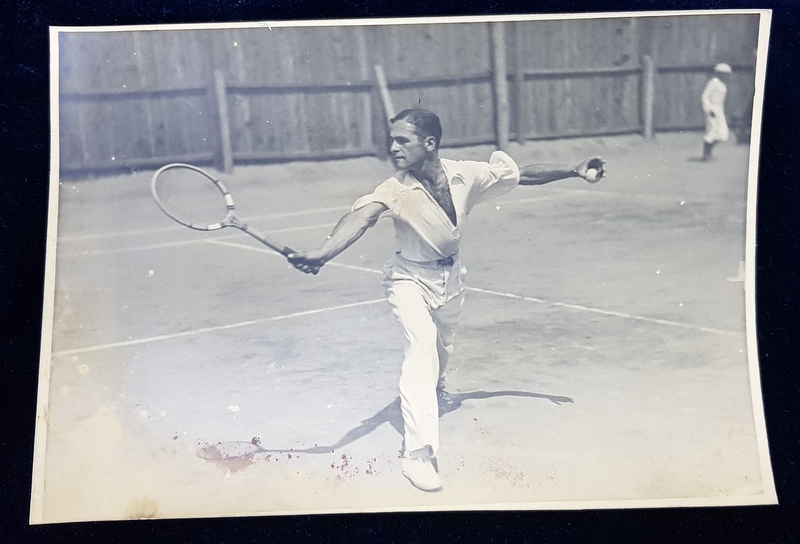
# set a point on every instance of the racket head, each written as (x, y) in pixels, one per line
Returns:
(193, 197)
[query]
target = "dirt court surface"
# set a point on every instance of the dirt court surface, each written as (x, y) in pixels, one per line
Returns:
(601, 360)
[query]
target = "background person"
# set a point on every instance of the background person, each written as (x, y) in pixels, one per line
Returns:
(713, 102)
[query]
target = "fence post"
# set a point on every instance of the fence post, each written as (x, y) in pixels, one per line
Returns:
(224, 158)
(519, 84)
(368, 121)
(648, 95)
(500, 83)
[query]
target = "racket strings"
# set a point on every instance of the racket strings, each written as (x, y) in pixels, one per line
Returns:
(192, 198)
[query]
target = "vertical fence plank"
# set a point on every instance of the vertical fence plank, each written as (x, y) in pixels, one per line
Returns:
(365, 100)
(225, 150)
(648, 95)
(520, 109)
(500, 83)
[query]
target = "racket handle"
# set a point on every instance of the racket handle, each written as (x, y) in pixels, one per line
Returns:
(285, 250)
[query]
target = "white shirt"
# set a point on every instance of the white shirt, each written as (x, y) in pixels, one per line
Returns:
(713, 97)
(423, 231)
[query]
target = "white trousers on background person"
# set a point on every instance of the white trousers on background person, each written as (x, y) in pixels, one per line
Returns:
(716, 127)
(427, 299)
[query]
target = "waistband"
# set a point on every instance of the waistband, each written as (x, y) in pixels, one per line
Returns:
(444, 262)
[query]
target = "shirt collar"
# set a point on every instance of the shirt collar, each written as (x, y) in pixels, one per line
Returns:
(450, 171)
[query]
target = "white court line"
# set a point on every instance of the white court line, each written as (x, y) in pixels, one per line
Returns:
(156, 230)
(578, 307)
(606, 312)
(203, 330)
(508, 201)
(192, 241)
(262, 250)
(235, 245)
(556, 192)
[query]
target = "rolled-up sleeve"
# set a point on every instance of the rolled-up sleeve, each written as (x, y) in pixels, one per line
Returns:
(498, 176)
(385, 193)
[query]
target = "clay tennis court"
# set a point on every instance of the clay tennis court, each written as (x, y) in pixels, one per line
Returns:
(601, 357)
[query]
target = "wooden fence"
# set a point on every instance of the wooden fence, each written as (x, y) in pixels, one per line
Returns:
(140, 99)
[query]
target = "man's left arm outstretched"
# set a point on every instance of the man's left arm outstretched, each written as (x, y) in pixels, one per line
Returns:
(592, 170)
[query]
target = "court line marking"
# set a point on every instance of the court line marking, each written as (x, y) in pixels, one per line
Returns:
(192, 241)
(258, 249)
(156, 230)
(536, 300)
(235, 245)
(160, 245)
(600, 311)
(507, 201)
(204, 330)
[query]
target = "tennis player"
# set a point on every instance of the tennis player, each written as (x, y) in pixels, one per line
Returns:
(429, 199)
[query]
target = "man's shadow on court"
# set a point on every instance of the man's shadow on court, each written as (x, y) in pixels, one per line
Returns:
(391, 414)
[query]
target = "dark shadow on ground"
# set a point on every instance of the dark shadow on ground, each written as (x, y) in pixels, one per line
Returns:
(391, 414)
(235, 456)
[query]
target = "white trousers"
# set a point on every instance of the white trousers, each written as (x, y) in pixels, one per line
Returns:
(427, 300)
(716, 127)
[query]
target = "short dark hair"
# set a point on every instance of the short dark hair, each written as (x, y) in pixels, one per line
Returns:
(426, 122)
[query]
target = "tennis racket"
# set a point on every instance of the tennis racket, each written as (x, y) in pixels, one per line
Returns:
(194, 198)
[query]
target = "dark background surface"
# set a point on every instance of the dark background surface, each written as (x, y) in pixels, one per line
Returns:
(24, 126)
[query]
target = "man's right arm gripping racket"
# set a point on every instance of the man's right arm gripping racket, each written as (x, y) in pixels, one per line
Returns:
(350, 228)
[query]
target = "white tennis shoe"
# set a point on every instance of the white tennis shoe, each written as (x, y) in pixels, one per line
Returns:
(420, 469)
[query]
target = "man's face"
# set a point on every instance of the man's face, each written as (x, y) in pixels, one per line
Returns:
(408, 149)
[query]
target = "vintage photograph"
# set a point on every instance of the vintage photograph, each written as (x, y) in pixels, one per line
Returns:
(391, 265)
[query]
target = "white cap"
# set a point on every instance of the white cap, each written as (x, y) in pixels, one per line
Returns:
(723, 68)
